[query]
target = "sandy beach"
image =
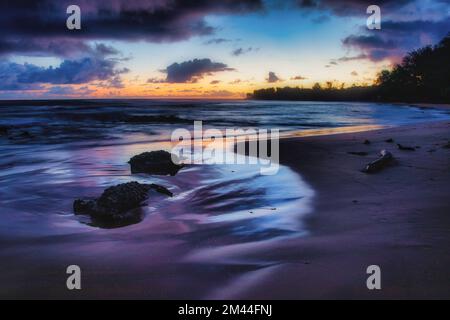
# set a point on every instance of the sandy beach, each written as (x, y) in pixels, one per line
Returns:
(309, 231)
(397, 219)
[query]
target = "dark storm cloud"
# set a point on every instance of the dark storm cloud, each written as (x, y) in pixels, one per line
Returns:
(396, 38)
(367, 42)
(193, 70)
(41, 24)
(350, 7)
(42, 47)
(14, 76)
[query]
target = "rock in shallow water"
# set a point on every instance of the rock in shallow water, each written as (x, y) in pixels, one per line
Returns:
(114, 206)
(155, 162)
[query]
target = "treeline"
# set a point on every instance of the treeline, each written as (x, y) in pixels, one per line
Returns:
(423, 76)
(317, 94)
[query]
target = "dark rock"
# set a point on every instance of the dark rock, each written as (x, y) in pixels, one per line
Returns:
(155, 162)
(366, 141)
(123, 197)
(405, 148)
(113, 207)
(390, 140)
(358, 153)
(84, 206)
(161, 189)
(446, 146)
(385, 159)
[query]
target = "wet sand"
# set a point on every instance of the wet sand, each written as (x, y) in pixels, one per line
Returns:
(398, 218)
(227, 238)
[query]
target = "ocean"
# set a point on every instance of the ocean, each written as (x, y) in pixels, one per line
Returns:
(57, 151)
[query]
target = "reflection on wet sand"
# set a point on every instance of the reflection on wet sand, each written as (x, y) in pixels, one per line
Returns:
(221, 227)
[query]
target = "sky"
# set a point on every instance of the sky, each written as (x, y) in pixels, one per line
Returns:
(204, 49)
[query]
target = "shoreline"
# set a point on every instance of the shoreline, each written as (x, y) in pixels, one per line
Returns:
(397, 218)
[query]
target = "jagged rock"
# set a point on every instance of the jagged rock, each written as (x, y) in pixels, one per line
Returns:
(155, 162)
(405, 148)
(366, 141)
(385, 159)
(114, 206)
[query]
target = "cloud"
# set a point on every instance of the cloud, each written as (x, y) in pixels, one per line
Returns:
(354, 73)
(349, 7)
(16, 76)
(361, 56)
(241, 51)
(217, 41)
(298, 78)
(219, 94)
(65, 91)
(215, 82)
(193, 70)
(236, 81)
(105, 50)
(368, 42)
(273, 78)
(155, 80)
(321, 19)
(40, 25)
(397, 38)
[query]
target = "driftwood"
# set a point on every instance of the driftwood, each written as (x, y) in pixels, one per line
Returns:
(405, 148)
(385, 159)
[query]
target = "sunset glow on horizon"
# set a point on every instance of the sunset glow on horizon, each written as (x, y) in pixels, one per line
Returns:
(175, 49)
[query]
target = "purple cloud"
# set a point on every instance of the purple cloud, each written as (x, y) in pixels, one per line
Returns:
(193, 70)
(64, 91)
(16, 76)
(396, 38)
(350, 7)
(41, 24)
